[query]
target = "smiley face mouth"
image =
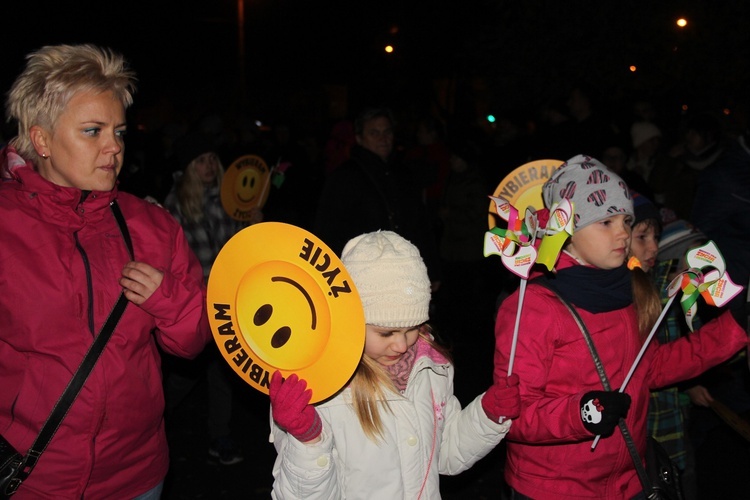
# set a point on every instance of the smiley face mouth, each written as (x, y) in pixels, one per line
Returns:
(313, 314)
(283, 334)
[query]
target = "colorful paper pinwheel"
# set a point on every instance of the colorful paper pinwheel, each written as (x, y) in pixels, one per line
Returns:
(515, 246)
(559, 228)
(706, 276)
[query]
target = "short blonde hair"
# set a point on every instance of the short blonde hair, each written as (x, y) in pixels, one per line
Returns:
(52, 76)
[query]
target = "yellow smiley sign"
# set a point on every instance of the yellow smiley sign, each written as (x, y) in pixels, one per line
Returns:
(245, 186)
(522, 187)
(280, 299)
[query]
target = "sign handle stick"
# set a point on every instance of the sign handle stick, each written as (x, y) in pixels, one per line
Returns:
(521, 293)
(640, 354)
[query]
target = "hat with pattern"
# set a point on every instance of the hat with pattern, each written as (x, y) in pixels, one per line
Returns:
(596, 191)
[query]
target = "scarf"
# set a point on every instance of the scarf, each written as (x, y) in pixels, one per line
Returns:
(592, 289)
(399, 371)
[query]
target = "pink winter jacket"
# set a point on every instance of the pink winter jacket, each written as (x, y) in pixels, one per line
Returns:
(549, 450)
(61, 259)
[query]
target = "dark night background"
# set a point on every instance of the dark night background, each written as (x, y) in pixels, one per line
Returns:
(310, 63)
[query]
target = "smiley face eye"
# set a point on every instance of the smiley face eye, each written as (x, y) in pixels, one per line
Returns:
(281, 337)
(263, 314)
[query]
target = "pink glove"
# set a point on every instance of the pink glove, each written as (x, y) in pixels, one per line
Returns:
(290, 407)
(502, 401)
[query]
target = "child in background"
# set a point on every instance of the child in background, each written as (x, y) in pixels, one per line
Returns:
(549, 445)
(397, 425)
(195, 201)
(669, 407)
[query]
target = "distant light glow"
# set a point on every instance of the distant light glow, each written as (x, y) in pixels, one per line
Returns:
(726, 111)
(633, 68)
(491, 118)
(682, 22)
(389, 48)
(684, 107)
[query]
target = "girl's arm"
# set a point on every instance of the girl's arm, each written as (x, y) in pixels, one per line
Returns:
(468, 435)
(693, 354)
(304, 467)
(303, 470)
(544, 418)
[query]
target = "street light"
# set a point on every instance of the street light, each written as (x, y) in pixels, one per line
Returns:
(682, 22)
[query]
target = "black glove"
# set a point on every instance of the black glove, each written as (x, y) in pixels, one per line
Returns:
(601, 410)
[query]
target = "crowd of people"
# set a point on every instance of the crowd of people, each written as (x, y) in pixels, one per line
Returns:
(401, 197)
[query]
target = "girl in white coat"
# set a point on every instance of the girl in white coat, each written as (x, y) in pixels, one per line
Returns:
(397, 425)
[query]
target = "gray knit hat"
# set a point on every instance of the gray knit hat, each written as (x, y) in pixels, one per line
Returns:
(596, 191)
(391, 279)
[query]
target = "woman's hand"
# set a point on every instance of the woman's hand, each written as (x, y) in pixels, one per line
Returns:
(139, 281)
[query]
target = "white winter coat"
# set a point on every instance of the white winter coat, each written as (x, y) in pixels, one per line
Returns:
(426, 434)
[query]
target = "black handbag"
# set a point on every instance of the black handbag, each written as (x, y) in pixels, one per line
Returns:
(660, 477)
(14, 467)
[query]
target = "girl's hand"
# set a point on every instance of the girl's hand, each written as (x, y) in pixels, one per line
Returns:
(502, 401)
(139, 281)
(291, 410)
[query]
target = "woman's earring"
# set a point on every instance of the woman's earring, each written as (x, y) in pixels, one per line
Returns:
(44, 155)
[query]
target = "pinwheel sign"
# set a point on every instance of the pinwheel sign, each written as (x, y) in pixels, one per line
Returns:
(705, 277)
(559, 227)
(514, 245)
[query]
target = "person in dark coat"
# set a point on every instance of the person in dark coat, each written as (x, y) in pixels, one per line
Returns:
(373, 190)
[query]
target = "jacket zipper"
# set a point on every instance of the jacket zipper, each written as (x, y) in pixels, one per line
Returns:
(86, 266)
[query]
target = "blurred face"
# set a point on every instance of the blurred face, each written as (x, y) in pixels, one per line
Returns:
(695, 142)
(458, 164)
(207, 168)
(603, 244)
(615, 159)
(377, 137)
(644, 245)
(84, 150)
(386, 345)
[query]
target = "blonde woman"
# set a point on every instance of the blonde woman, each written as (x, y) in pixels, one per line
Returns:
(63, 263)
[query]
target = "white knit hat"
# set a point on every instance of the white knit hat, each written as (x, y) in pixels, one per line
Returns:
(391, 279)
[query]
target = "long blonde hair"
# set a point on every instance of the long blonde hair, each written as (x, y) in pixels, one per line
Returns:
(646, 300)
(370, 384)
(190, 188)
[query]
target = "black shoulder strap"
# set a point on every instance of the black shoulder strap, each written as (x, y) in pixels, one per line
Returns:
(637, 462)
(84, 370)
